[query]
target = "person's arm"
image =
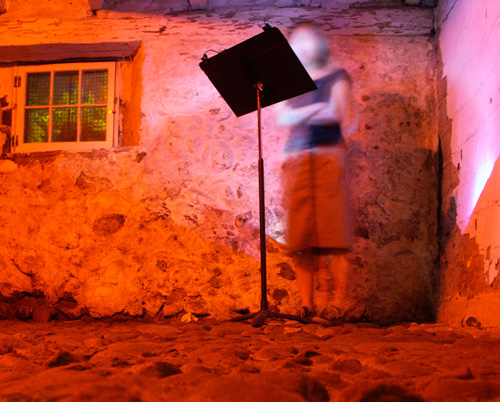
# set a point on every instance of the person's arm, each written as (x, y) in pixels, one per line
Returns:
(319, 113)
(288, 116)
(336, 108)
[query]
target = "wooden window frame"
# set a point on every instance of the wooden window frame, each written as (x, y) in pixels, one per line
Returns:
(20, 81)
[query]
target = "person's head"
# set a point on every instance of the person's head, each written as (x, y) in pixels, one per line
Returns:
(309, 44)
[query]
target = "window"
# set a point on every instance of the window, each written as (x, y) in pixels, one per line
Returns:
(65, 107)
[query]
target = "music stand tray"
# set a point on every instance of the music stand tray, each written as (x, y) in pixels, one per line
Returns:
(256, 73)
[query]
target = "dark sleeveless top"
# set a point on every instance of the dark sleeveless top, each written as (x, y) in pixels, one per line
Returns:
(307, 136)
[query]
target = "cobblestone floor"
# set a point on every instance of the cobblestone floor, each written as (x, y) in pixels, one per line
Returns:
(232, 361)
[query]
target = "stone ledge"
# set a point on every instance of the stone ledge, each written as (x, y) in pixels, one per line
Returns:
(481, 306)
(403, 21)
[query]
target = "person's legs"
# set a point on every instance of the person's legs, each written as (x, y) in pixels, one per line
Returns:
(305, 269)
(306, 265)
(325, 285)
(342, 297)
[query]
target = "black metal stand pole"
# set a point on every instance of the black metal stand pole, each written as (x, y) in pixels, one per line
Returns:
(262, 207)
(260, 317)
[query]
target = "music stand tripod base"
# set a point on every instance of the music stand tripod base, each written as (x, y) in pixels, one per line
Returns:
(259, 318)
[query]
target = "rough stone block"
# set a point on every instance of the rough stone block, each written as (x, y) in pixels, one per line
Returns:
(198, 4)
(42, 313)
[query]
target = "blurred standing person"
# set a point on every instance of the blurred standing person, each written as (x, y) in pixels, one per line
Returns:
(318, 210)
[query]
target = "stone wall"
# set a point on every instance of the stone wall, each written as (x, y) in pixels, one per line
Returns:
(469, 114)
(169, 225)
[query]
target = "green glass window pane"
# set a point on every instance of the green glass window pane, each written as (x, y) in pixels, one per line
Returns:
(38, 89)
(94, 87)
(36, 125)
(93, 121)
(65, 88)
(64, 124)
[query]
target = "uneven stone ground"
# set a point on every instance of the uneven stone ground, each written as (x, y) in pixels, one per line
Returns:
(232, 361)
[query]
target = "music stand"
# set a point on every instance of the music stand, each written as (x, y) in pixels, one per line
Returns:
(256, 73)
